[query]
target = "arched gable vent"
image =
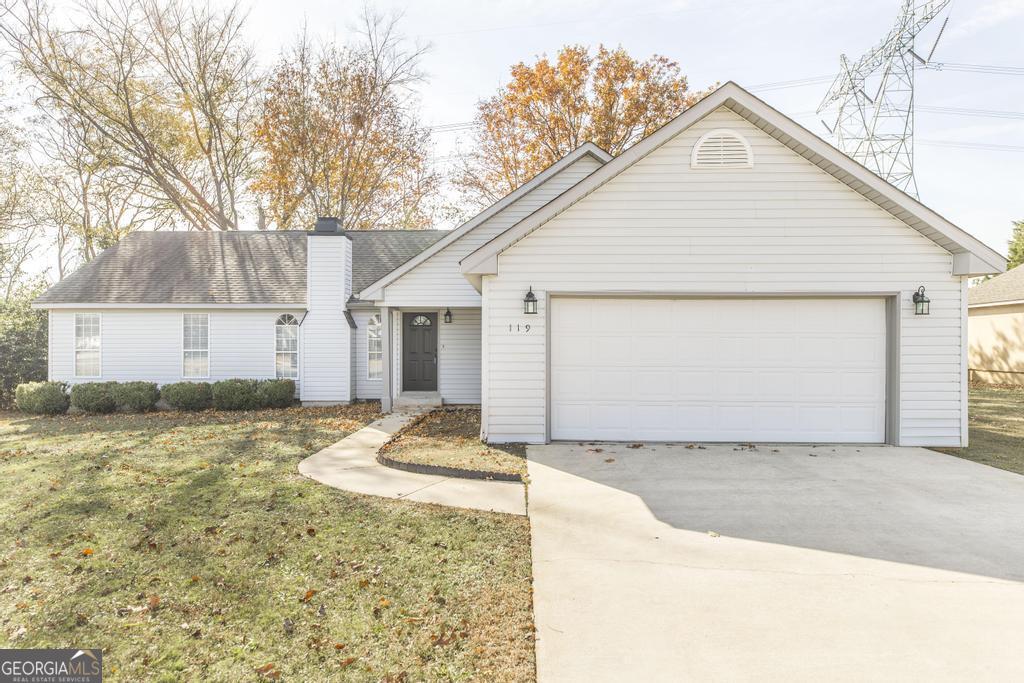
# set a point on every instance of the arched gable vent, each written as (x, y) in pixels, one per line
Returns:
(722, 148)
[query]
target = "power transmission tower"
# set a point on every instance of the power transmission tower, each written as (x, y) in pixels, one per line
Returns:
(874, 122)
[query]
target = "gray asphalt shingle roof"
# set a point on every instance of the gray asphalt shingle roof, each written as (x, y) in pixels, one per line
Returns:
(1006, 287)
(245, 267)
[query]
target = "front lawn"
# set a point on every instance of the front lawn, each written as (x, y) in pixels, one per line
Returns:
(188, 547)
(450, 437)
(996, 418)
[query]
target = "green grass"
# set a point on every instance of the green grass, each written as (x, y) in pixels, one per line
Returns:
(996, 418)
(188, 548)
(451, 438)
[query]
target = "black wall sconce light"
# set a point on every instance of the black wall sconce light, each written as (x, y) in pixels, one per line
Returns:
(447, 315)
(530, 302)
(922, 304)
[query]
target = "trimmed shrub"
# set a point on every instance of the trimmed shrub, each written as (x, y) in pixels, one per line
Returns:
(42, 398)
(95, 397)
(136, 397)
(236, 394)
(188, 395)
(276, 393)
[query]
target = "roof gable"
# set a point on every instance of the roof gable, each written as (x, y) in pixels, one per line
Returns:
(971, 257)
(372, 290)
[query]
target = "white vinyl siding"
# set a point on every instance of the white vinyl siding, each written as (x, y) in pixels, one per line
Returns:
(326, 335)
(783, 226)
(87, 345)
(459, 356)
(438, 281)
(146, 345)
(374, 349)
(195, 335)
(286, 347)
(365, 388)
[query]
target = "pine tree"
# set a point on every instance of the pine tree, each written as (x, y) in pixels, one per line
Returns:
(1016, 256)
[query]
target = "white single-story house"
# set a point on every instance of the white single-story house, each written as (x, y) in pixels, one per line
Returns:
(995, 310)
(732, 277)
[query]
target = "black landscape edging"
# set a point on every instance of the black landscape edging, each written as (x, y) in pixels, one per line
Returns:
(443, 471)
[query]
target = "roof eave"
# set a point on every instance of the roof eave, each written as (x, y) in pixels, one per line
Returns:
(63, 305)
(993, 304)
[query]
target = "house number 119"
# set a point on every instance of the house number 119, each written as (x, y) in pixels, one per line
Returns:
(518, 328)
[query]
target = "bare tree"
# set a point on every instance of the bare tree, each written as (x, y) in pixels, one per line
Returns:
(168, 91)
(89, 201)
(17, 231)
(340, 134)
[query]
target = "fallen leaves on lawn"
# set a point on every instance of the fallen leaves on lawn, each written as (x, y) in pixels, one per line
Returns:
(268, 670)
(442, 639)
(87, 552)
(308, 595)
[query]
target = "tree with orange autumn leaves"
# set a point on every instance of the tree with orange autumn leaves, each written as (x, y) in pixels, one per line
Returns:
(340, 135)
(550, 108)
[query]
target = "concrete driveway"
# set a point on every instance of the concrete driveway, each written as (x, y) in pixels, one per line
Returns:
(774, 563)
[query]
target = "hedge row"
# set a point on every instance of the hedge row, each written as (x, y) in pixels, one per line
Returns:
(53, 398)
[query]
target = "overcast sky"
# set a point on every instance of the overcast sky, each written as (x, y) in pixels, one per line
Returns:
(751, 42)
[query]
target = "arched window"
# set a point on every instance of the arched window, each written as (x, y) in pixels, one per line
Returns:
(722, 148)
(286, 334)
(374, 348)
(421, 321)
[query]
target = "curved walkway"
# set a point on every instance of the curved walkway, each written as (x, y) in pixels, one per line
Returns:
(351, 465)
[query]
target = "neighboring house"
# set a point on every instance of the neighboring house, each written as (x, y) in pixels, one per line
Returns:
(996, 329)
(732, 277)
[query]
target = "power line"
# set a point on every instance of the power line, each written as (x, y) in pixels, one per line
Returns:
(990, 147)
(796, 83)
(984, 113)
(975, 68)
(932, 66)
(952, 111)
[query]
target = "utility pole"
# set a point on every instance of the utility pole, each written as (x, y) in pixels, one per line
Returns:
(873, 98)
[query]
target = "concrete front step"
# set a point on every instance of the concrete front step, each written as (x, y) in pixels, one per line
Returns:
(417, 400)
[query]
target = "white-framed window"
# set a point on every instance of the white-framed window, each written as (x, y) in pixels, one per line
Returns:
(286, 346)
(195, 345)
(87, 345)
(374, 348)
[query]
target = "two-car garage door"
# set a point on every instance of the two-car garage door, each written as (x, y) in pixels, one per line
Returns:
(786, 369)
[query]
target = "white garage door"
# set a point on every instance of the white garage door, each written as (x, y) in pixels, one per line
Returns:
(718, 369)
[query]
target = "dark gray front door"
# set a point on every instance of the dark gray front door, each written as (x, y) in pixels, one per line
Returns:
(419, 352)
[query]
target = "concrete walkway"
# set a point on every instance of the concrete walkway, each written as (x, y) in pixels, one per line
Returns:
(351, 465)
(787, 563)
